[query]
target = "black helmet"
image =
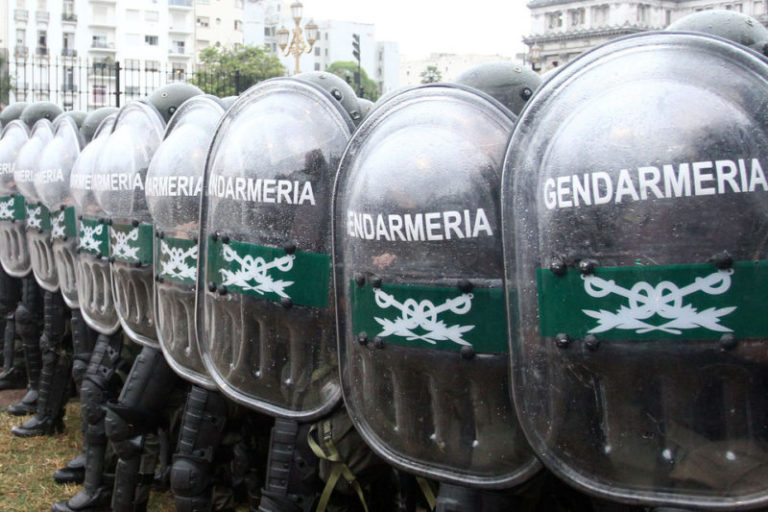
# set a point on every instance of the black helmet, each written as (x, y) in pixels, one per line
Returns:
(11, 112)
(336, 87)
(40, 110)
(509, 83)
(168, 98)
(93, 120)
(731, 25)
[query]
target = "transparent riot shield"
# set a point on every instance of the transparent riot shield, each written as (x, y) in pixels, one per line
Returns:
(93, 276)
(38, 224)
(635, 210)
(419, 279)
(51, 181)
(118, 184)
(173, 188)
(265, 317)
(14, 256)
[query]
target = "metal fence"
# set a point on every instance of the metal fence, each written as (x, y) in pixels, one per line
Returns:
(84, 84)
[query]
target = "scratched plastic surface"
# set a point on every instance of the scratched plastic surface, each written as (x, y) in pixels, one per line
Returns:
(616, 190)
(14, 255)
(278, 360)
(419, 401)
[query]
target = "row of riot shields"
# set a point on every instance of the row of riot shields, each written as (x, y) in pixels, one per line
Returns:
(483, 296)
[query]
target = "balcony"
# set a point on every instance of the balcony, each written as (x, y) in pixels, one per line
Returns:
(41, 51)
(178, 51)
(42, 16)
(68, 52)
(20, 15)
(180, 4)
(102, 46)
(69, 17)
(20, 51)
(102, 22)
(181, 29)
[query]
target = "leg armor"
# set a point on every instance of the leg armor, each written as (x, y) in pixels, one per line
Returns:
(28, 328)
(130, 426)
(83, 341)
(55, 378)
(12, 376)
(100, 384)
(205, 417)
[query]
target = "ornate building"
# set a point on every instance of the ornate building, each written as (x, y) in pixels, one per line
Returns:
(562, 29)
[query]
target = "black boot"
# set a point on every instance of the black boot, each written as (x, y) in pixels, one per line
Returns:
(13, 375)
(28, 327)
(95, 496)
(73, 472)
(49, 418)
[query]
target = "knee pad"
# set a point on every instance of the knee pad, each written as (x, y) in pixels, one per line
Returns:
(189, 477)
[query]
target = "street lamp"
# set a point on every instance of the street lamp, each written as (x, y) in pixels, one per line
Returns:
(297, 45)
(535, 57)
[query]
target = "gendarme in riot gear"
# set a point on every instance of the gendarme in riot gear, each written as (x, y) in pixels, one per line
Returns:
(419, 282)
(266, 324)
(173, 187)
(731, 25)
(634, 226)
(14, 255)
(511, 84)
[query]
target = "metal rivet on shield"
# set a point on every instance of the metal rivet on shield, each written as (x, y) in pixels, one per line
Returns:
(362, 339)
(591, 342)
(286, 302)
(62, 208)
(194, 239)
(162, 235)
(359, 279)
(13, 194)
(211, 287)
(223, 290)
(465, 286)
(64, 238)
(111, 259)
(159, 279)
(39, 203)
(378, 342)
(376, 282)
(109, 222)
(290, 248)
(137, 264)
(135, 223)
(722, 260)
(98, 255)
(215, 236)
(225, 239)
(467, 352)
(558, 267)
(40, 230)
(728, 342)
(562, 340)
(587, 267)
(79, 217)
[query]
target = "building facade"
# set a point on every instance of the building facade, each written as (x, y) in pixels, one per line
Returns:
(449, 66)
(563, 29)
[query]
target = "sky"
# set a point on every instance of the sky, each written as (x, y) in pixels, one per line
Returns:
(425, 26)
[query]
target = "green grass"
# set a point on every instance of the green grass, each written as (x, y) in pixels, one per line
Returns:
(27, 466)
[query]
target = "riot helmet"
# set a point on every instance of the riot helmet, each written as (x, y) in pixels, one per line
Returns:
(265, 311)
(78, 116)
(337, 88)
(173, 189)
(38, 223)
(11, 112)
(365, 106)
(633, 219)
(118, 185)
(731, 25)
(511, 84)
(51, 180)
(93, 120)
(94, 278)
(168, 98)
(419, 284)
(14, 255)
(40, 110)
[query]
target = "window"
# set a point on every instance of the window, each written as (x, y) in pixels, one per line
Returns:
(238, 25)
(266, 31)
(554, 19)
(99, 94)
(131, 64)
(68, 9)
(67, 43)
(151, 65)
(132, 91)
(643, 13)
(177, 47)
(667, 17)
(735, 7)
(151, 16)
(317, 66)
(317, 51)
(151, 40)
(600, 14)
(68, 79)
(576, 17)
(203, 21)
(218, 21)
(99, 41)
(21, 36)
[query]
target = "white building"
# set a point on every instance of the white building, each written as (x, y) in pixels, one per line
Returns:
(218, 23)
(264, 18)
(449, 65)
(563, 29)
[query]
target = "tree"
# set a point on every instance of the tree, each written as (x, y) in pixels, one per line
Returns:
(346, 69)
(431, 75)
(228, 72)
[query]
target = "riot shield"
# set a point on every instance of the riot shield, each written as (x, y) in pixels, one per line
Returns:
(118, 184)
(265, 311)
(419, 279)
(173, 188)
(94, 278)
(51, 181)
(14, 255)
(38, 224)
(635, 208)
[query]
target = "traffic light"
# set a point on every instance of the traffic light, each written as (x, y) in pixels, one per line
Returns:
(356, 47)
